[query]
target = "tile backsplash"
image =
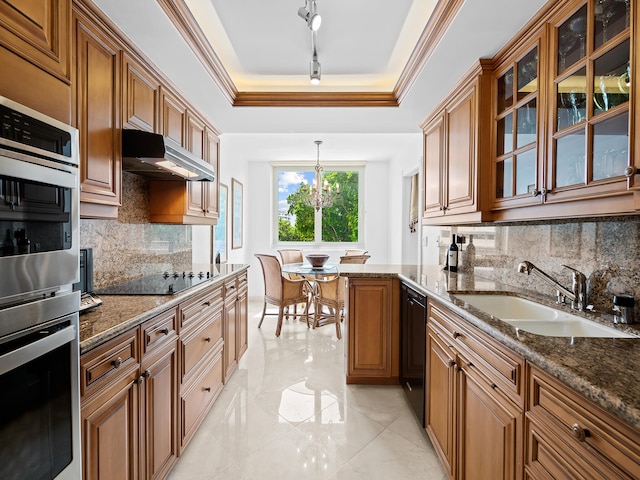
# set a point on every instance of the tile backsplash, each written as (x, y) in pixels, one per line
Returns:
(606, 251)
(131, 246)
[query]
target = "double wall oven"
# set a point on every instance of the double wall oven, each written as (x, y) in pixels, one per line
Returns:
(39, 263)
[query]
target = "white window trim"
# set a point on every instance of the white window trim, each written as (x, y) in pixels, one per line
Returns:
(357, 166)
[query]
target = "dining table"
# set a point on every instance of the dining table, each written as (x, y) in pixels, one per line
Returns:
(307, 270)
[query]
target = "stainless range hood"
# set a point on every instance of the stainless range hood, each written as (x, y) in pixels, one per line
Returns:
(161, 158)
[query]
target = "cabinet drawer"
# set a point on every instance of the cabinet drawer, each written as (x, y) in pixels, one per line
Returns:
(109, 361)
(500, 365)
(158, 331)
(196, 401)
(198, 344)
(201, 307)
(583, 427)
(230, 289)
(243, 281)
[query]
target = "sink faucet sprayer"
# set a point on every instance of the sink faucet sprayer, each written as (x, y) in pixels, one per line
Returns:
(578, 292)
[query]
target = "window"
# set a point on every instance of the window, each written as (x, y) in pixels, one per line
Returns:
(300, 223)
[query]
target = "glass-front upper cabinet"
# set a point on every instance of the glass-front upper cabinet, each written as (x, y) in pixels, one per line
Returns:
(589, 114)
(516, 172)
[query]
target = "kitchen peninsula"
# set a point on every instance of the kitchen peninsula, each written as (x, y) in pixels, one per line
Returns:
(578, 388)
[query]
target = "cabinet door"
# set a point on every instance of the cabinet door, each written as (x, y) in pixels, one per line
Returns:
(459, 186)
(484, 414)
(373, 331)
(211, 189)
(591, 79)
(517, 170)
(439, 400)
(433, 168)
(110, 432)
(141, 97)
(174, 113)
(161, 413)
(97, 117)
(242, 306)
(195, 144)
(230, 336)
(38, 31)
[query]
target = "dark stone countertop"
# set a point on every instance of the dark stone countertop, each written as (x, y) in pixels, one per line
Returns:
(120, 313)
(605, 370)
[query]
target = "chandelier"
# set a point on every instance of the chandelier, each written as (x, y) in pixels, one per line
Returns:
(319, 195)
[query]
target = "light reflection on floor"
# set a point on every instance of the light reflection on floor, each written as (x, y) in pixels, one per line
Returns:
(287, 413)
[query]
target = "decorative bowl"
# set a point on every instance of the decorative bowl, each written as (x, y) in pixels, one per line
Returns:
(317, 260)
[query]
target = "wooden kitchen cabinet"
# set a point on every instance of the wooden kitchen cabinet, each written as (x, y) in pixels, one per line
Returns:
(574, 159)
(110, 409)
(568, 436)
(159, 404)
(201, 358)
(97, 116)
(474, 392)
(36, 41)
(456, 146)
(242, 332)
(181, 202)
(140, 95)
(372, 330)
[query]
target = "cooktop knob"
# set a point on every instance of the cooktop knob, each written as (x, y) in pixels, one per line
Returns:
(165, 275)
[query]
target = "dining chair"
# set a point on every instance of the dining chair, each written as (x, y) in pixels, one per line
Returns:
(354, 258)
(290, 255)
(355, 252)
(329, 303)
(282, 292)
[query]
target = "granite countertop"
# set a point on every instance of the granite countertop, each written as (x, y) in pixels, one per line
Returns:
(605, 370)
(119, 313)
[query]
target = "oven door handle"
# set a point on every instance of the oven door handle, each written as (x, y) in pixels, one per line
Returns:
(20, 356)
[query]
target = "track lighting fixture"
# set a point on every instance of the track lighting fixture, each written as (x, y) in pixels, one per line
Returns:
(314, 71)
(309, 14)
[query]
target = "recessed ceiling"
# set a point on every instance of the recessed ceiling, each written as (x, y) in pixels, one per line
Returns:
(362, 45)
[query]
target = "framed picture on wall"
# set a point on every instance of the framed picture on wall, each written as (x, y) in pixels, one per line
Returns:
(236, 219)
(220, 230)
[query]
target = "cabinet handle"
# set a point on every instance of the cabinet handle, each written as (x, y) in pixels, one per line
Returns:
(469, 364)
(164, 331)
(544, 191)
(207, 339)
(579, 433)
(117, 362)
(630, 171)
(147, 374)
(207, 389)
(535, 192)
(207, 303)
(494, 386)
(139, 380)
(456, 334)
(452, 363)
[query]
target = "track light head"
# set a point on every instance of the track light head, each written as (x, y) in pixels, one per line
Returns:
(314, 73)
(309, 15)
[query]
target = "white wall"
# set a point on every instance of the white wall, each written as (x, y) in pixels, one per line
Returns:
(248, 157)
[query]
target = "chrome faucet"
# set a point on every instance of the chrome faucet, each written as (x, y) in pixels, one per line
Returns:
(578, 292)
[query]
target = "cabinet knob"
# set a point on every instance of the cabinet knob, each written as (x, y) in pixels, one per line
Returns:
(139, 380)
(579, 433)
(207, 303)
(164, 331)
(469, 364)
(456, 334)
(117, 362)
(207, 339)
(207, 389)
(494, 386)
(147, 374)
(630, 171)
(452, 363)
(535, 192)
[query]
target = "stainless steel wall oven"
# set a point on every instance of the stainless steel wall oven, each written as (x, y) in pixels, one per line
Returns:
(39, 263)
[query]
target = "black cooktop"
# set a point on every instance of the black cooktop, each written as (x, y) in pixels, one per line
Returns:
(161, 284)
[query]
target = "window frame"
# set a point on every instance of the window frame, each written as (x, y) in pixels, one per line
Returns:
(276, 167)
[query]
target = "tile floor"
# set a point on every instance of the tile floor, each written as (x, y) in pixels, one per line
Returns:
(286, 413)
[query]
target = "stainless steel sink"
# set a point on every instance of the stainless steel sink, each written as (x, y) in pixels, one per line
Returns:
(540, 319)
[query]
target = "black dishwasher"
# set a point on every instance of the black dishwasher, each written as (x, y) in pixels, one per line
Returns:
(412, 348)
